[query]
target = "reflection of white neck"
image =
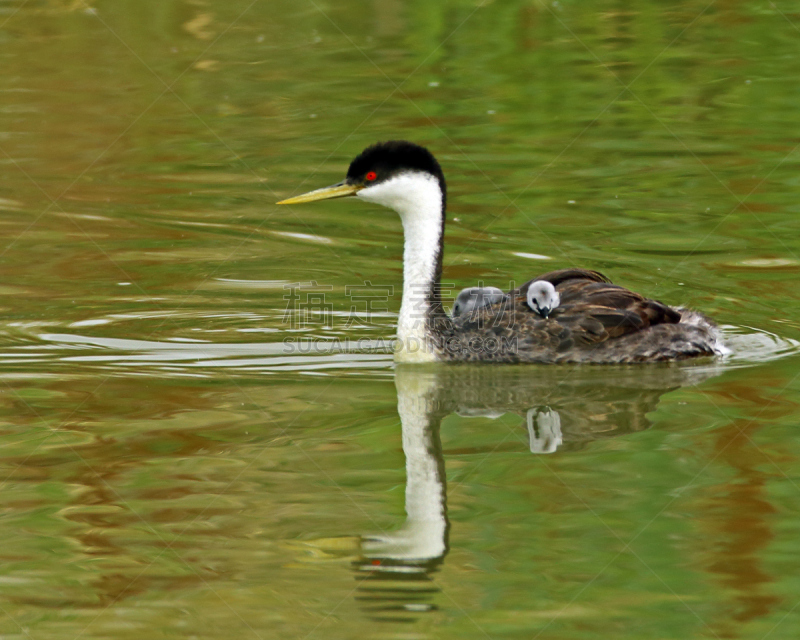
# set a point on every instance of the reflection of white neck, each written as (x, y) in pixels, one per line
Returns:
(424, 488)
(423, 536)
(417, 197)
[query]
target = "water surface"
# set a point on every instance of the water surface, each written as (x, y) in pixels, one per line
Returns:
(173, 467)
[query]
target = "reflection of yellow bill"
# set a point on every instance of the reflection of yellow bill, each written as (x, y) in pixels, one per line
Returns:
(326, 193)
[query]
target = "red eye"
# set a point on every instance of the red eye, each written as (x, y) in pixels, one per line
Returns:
(371, 175)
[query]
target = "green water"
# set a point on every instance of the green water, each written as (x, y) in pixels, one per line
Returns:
(170, 468)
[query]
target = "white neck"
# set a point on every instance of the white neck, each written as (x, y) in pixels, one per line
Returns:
(417, 197)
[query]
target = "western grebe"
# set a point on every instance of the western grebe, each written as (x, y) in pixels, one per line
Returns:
(596, 321)
(542, 297)
(473, 298)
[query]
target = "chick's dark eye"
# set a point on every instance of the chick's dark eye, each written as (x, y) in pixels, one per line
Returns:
(371, 175)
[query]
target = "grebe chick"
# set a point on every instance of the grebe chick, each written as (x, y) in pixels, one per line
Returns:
(542, 297)
(473, 298)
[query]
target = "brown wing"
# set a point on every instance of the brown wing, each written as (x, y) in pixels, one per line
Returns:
(591, 311)
(563, 275)
(596, 321)
(618, 310)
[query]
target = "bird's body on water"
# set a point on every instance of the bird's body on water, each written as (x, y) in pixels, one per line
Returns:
(594, 321)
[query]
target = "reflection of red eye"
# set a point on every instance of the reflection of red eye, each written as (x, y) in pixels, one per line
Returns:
(371, 176)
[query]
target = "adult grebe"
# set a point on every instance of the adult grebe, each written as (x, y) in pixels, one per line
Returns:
(595, 321)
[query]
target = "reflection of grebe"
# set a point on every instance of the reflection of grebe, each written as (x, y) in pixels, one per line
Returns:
(596, 321)
(573, 406)
(544, 430)
(396, 567)
(423, 537)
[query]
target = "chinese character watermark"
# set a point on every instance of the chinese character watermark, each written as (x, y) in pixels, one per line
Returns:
(367, 301)
(305, 302)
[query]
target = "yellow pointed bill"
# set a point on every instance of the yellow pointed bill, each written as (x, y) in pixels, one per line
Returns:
(326, 193)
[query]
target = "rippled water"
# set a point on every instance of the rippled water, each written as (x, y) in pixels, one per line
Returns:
(203, 431)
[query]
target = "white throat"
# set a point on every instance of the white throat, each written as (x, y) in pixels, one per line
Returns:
(417, 197)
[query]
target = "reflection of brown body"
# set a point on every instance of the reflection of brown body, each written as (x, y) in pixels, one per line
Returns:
(590, 408)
